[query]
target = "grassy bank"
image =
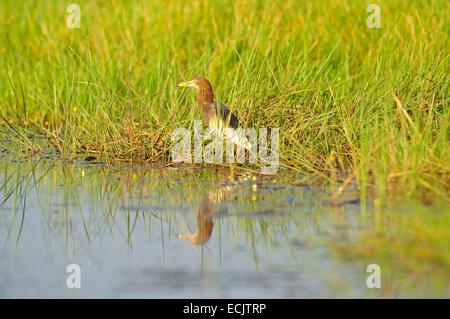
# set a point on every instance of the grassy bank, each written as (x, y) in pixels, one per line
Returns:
(370, 101)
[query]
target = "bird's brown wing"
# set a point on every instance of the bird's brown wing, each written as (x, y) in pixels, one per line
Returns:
(224, 113)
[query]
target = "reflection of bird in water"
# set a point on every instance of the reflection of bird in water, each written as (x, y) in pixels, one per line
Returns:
(205, 226)
(220, 120)
(207, 209)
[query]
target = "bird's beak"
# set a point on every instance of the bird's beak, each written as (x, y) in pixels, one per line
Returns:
(194, 238)
(190, 84)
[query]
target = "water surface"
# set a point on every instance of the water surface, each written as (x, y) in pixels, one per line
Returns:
(180, 233)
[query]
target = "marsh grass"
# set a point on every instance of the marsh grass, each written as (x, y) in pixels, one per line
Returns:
(373, 102)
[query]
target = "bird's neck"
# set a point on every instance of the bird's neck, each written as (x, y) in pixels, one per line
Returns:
(205, 96)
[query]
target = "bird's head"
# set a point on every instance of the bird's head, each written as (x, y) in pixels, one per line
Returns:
(197, 82)
(205, 91)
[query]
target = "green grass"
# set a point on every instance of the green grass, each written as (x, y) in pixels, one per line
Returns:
(345, 97)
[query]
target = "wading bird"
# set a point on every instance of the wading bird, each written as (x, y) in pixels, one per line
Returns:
(217, 116)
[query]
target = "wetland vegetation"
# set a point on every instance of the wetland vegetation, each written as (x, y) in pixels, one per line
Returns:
(86, 116)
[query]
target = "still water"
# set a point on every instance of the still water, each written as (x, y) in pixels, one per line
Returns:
(140, 232)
